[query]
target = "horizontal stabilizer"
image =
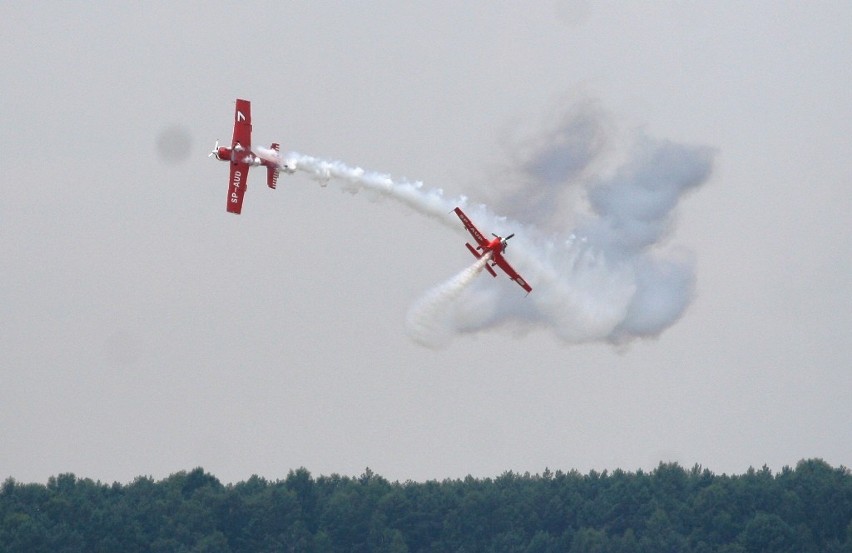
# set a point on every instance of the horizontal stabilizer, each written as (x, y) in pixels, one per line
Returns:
(478, 255)
(272, 172)
(272, 177)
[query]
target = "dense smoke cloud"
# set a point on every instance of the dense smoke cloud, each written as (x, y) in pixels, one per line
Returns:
(590, 210)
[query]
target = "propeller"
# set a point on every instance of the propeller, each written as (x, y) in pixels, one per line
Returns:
(505, 240)
(215, 151)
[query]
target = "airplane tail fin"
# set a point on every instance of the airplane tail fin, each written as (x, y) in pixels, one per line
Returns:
(272, 172)
(478, 255)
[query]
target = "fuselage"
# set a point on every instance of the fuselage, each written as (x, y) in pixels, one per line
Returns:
(238, 155)
(496, 247)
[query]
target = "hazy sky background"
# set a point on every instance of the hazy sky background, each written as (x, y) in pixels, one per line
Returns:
(144, 330)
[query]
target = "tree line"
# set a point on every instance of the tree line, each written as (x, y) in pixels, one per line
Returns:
(670, 509)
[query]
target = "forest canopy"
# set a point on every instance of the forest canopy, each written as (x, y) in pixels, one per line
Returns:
(806, 509)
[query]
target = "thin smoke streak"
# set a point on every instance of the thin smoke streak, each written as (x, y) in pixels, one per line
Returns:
(429, 202)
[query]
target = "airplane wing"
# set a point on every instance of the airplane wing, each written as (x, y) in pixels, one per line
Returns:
(237, 186)
(503, 264)
(471, 228)
(242, 126)
(240, 143)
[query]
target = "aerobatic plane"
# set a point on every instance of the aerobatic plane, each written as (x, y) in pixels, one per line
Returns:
(242, 158)
(494, 248)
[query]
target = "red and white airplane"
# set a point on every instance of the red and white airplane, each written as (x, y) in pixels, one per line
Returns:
(242, 158)
(495, 248)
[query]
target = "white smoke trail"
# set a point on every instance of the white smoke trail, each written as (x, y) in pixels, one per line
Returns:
(429, 321)
(597, 272)
(429, 202)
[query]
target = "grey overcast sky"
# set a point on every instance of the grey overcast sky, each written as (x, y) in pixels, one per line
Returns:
(144, 330)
